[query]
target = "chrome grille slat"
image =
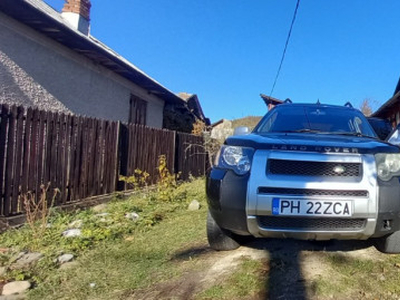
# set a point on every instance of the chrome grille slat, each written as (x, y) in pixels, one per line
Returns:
(299, 223)
(312, 192)
(312, 168)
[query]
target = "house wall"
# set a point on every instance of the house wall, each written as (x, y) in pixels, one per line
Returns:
(35, 70)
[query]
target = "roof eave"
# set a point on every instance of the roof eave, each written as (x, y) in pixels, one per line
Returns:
(32, 14)
(386, 105)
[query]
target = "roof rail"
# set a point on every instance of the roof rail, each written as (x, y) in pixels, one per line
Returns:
(287, 101)
(348, 104)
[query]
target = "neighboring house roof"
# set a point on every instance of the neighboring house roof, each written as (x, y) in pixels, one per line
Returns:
(194, 105)
(270, 100)
(388, 105)
(219, 122)
(384, 110)
(43, 18)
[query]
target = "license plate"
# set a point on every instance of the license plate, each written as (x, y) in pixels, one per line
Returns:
(295, 207)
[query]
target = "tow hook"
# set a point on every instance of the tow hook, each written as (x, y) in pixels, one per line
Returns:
(387, 224)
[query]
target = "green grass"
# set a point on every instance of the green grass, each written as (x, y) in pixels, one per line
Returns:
(247, 280)
(117, 255)
(359, 277)
(121, 267)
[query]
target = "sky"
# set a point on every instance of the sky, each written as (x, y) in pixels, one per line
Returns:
(228, 51)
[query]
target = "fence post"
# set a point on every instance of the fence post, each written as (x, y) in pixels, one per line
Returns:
(174, 169)
(119, 154)
(3, 139)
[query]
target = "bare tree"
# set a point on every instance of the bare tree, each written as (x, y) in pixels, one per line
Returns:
(365, 107)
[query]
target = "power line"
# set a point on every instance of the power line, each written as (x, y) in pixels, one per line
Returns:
(286, 45)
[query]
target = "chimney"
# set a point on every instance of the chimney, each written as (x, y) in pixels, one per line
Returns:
(77, 13)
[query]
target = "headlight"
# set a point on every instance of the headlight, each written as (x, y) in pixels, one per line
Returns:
(235, 158)
(388, 165)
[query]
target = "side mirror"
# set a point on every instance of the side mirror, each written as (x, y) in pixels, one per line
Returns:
(394, 137)
(241, 130)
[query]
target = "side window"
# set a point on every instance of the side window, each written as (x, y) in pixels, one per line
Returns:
(266, 127)
(137, 110)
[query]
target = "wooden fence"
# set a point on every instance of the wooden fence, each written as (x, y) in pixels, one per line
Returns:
(191, 158)
(141, 147)
(81, 156)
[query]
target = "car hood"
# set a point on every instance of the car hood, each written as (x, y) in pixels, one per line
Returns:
(312, 142)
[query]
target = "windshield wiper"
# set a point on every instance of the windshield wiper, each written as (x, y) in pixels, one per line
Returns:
(303, 130)
(349, 133)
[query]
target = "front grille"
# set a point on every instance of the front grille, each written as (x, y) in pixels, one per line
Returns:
(312, 192)
(317, 224)
(312, 168)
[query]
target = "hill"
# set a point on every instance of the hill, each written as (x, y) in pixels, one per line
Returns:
(250, 121)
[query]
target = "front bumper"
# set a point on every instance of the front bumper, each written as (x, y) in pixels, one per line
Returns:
(238, 204)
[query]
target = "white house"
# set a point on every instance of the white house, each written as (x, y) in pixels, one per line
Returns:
(49, 60)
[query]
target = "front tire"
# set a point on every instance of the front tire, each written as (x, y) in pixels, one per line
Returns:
(389, 243)
(219, 238)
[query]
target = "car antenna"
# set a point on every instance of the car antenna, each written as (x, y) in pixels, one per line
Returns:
(319, 103)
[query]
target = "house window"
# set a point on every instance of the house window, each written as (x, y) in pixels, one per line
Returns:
(137, 111)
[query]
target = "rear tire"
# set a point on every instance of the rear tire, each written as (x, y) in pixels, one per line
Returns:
(219, 238)
(389, 243)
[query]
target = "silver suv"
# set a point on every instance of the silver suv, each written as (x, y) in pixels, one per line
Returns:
(307, 171)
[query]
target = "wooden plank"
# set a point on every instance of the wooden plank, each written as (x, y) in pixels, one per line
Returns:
(53, 162)
(132, 151)
(126, 142)
(114, 142)
(100, 165)
(109, 160)
(95, 159)
(26, 155)
(15, 203)
(47, 165)
(58, 157)
(114, 161)
(91, 140)
(41, 151)
(61, 162)
(9, 161)
(114, 171)
(66, 162)
(33, 163)
(84, 161)
(99, 159)
(106, 156)
(49, 146)
(73, 157)
(170, 137)
(178, 153)
(87, 160)
(78, 159)
(3, 138)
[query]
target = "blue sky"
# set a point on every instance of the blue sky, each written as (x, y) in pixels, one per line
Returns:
(228, 51)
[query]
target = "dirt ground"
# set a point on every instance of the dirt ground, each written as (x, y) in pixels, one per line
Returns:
(291, 266)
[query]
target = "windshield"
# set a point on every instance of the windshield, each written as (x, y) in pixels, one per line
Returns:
(324, 120)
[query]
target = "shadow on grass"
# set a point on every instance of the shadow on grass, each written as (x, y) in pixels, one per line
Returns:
(285, 278)
(192, 253)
